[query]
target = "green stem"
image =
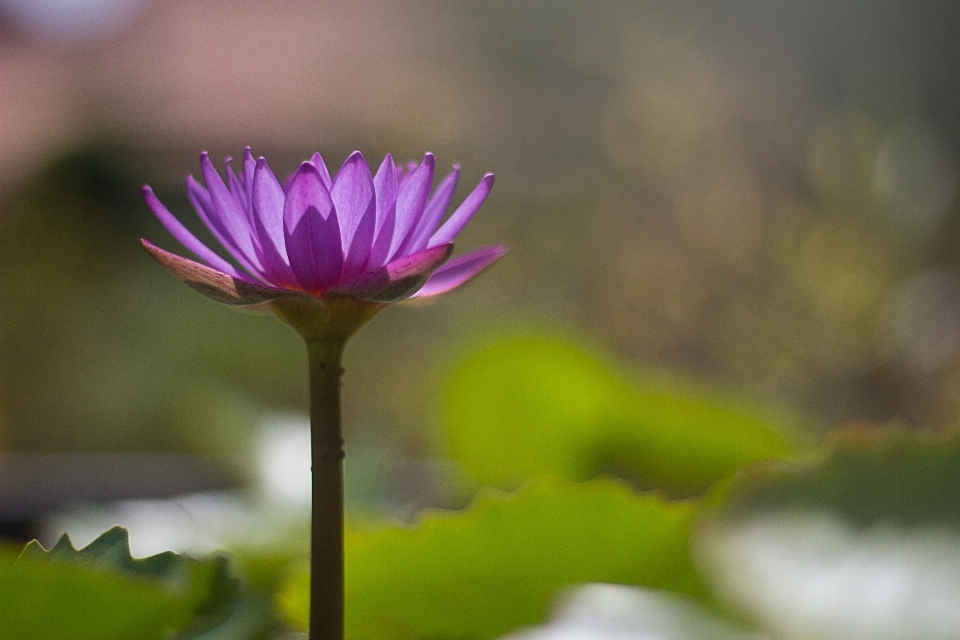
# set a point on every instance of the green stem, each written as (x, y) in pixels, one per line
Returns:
(326, 531)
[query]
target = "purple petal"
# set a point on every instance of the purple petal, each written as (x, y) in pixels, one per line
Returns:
(456, 222)
(312, 231)
(268, 199)
(353, 198)
(236, 189)
(411, 200)
(436, 207)
(385, 186)
(187, 239)
(212, 283)
(228, 212)
(404, 172)
(317, 161)
(397, 280)
(459, 270)
(249, 168)
(200, 199)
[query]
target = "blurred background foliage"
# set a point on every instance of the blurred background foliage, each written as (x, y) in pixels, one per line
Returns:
(733, 228)
(525, 406)
(761, 196)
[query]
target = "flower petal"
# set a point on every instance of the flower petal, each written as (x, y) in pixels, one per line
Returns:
(246, 188)
(231, 216)
(268, 199)
(405, 171)
(200, 199)
(411, 199)
(213, 283)
(353, 198)
(459, 270)
(249, 168)
(312, 231)
(398, 279)
(187, 239)
(236, 189)
(385, 185)
(317, 161)
(436, 207)
(459, 219)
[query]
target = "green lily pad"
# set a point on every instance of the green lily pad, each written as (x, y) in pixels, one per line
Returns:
(864, 478)
(101, 592)
(496, 565)
(532, 405)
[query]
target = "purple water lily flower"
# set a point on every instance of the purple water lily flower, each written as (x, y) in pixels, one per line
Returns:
(378, 238)
(325, 254)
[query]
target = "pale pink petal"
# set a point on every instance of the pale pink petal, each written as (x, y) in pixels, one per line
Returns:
(213, 283)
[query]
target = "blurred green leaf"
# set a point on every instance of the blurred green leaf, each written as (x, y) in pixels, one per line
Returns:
(533, 405)
(864, 477)
(101, 592)
(110, 550)
(496, 565)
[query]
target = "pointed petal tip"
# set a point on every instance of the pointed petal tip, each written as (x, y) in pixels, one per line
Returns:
(306, 166)
(152, 201)
(462, 215)
(190, 180)
(355, 159)
(497, 251)
(457, 272)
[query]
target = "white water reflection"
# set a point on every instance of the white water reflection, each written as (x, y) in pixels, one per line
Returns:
(806, 576)
(617, 612)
